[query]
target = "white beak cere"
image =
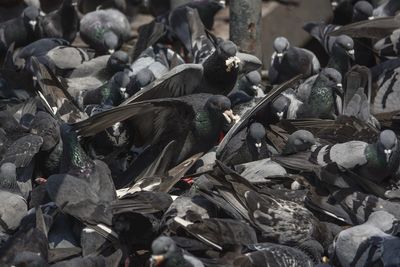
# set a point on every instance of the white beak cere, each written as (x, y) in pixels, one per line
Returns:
(280, 115)
(229, 116)
(339, 85)
(388, 153)
(371, 18)
(232, 62)
(110, 51)
(351, 52)
(33, 23)
(258, 145)
(222, 3)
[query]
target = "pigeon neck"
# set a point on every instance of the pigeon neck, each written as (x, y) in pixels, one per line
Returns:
(339, 61)
(321, 99)
(74, 157)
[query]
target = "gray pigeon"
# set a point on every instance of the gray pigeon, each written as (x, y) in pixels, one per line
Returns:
(288, 61)
(105, 30)
(376, 162)
(300, 140)
(369, 243)
(14, 206)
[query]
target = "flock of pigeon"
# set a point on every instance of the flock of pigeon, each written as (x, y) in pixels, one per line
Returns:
(177, 153)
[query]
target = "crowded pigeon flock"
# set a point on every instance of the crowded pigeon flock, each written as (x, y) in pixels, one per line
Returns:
(166, 146)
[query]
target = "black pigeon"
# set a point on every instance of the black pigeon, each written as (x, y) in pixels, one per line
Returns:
(202, 117)
(20, 30)
(288, 61)
(322, 99)
(252, 114)
(61, 23)
(246, 89)
(111, 93)
(105, 30)
(248, 145)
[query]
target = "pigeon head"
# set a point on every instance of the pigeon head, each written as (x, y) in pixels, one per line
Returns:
(121, 80)
(279, 106)
(298, 141)
(344, 45)
(143, 78)
(250, 83)
(220, 106)
(257, 134)
(387, 143)
(30, 16)
(8, 177)
(362, 10)
(118, 61)
(165, 252)
(281, 45)
(111, 41)
(334, 77)
(227, 50)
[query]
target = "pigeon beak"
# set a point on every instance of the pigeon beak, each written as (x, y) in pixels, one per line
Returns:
(280, 56)
(222, 3)
(232, 62)
(280, 115)
(334, 4)
(388, 153)
(33, 23)
(156, 260)
(258, 146)
(229, 116)
(256, 88)
(339, 89)
(110, 51)
(351, 54)
(371, 18)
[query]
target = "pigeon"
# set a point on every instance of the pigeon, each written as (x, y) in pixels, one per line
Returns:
(29, 243)
(61, 23)
(247, 88)
(370, 242)
(111, 93)
(14, 206)
(387, 9)
(102, 67)
(202, 116)
(104, 30)
(37, 49)
(269, 254)
(288, 61)
(20, 30)
(299, 141)
(63, 60)
(376, 161)
(166, 253)
(248, 145)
